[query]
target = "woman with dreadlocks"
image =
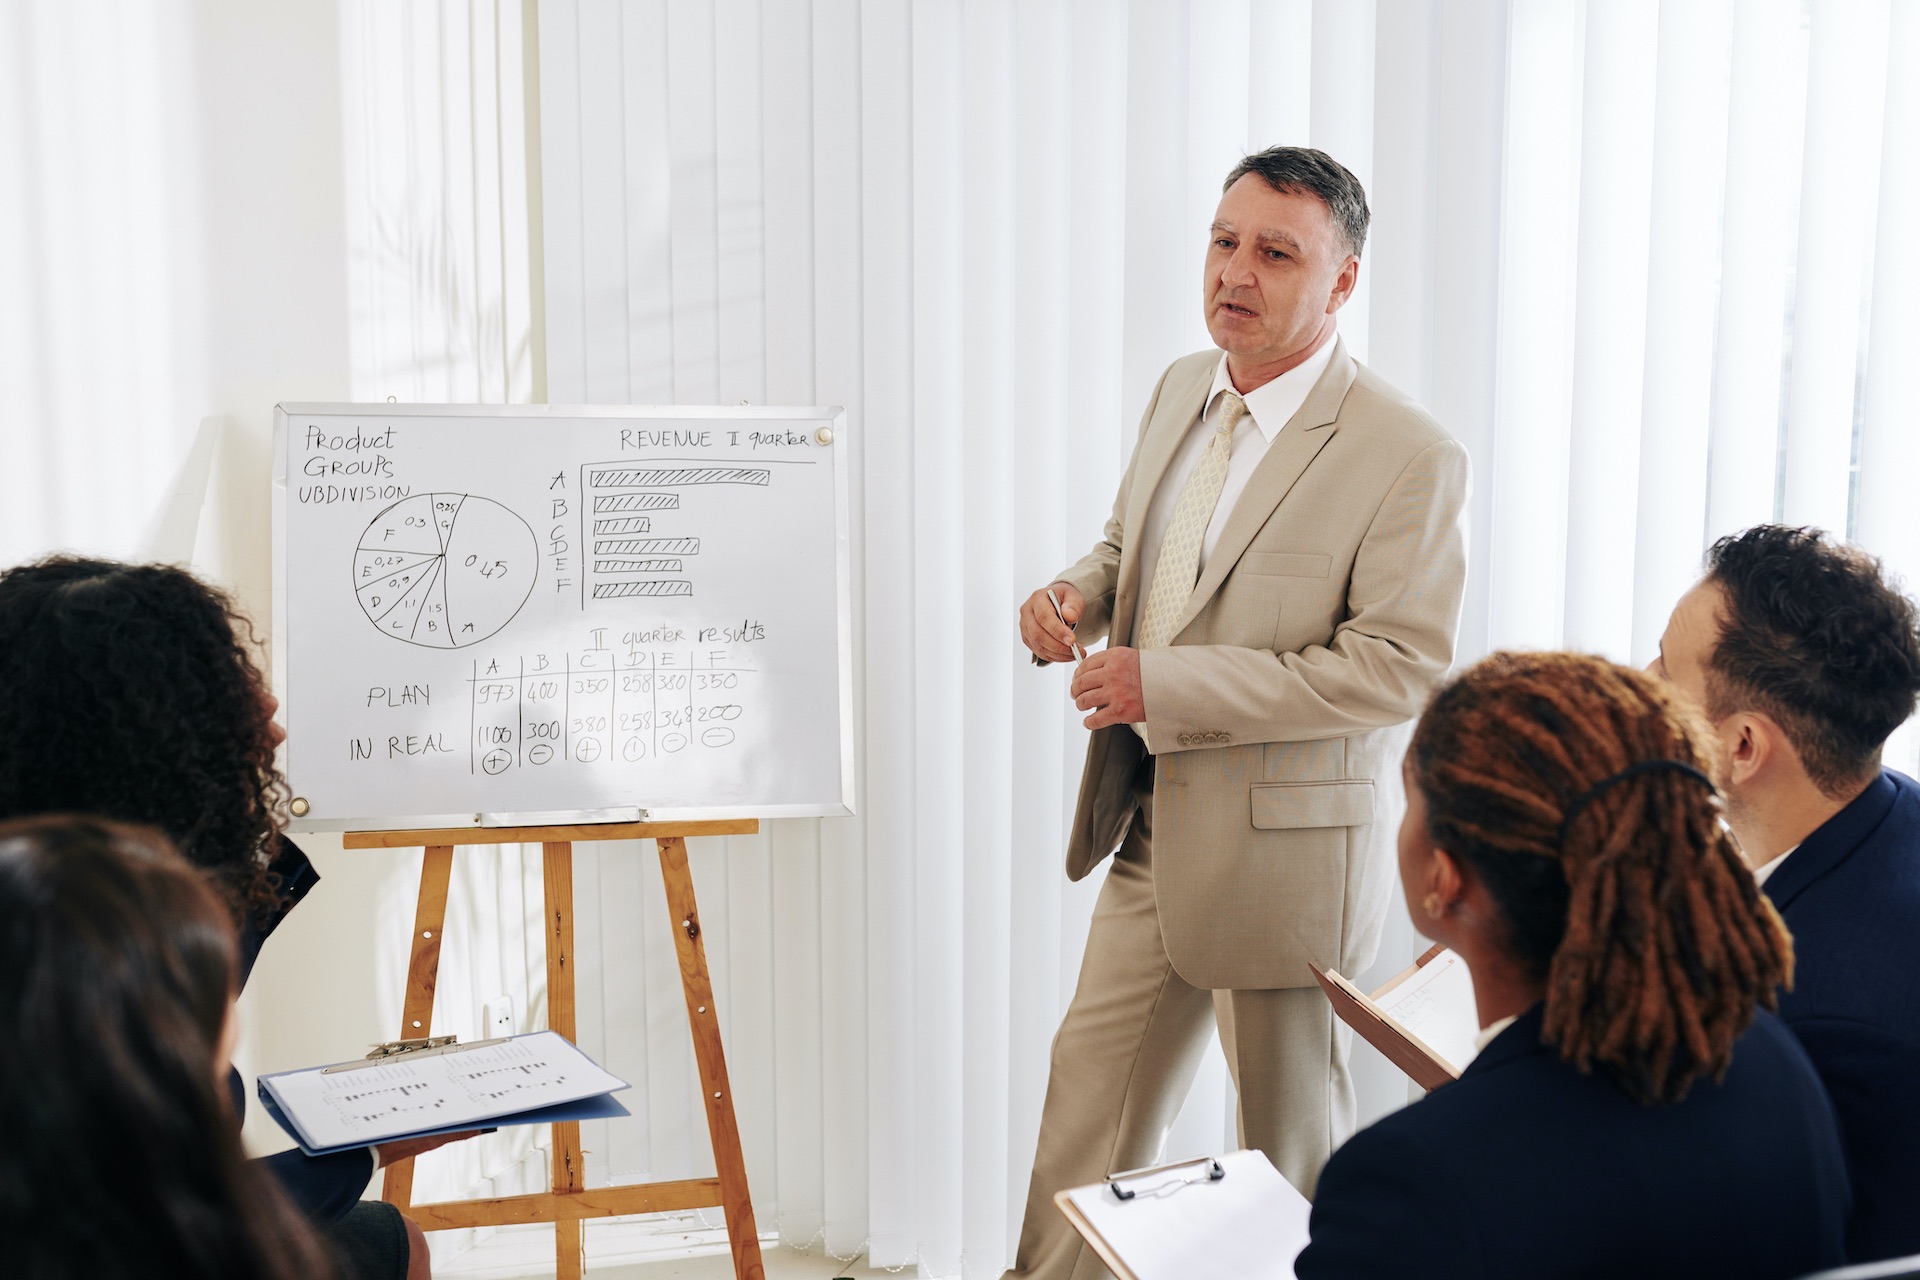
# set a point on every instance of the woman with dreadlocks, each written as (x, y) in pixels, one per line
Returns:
(1633, 1110)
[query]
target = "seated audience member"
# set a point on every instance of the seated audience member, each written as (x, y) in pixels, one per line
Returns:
(127, 691)
(119, 1154)
(1631, 1113)
(1805, 660)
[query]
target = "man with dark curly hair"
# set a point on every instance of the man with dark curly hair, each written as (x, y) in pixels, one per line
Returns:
(1806, 659)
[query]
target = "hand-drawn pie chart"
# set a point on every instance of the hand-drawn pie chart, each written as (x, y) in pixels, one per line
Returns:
(444, 570)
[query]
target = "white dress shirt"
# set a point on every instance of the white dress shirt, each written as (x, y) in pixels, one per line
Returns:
(1765, 869)
(1268, 409)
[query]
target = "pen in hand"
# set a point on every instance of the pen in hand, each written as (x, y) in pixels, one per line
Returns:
(1079, 654)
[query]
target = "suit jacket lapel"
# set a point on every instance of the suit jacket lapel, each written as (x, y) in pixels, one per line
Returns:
(1305, 434)
(1833, 843)
(1178, 408)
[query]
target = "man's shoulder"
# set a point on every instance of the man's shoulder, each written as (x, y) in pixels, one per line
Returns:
(1197, 366)
(1875, 876)
(1856, 929)
(1386, 409)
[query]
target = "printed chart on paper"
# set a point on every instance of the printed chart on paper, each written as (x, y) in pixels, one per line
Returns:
(414, 1092)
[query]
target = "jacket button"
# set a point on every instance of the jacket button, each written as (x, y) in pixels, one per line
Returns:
(1224, 739)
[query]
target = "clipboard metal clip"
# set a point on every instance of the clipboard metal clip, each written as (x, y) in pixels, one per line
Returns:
(427, 1046)
(394, 1048)
(1214, 1172)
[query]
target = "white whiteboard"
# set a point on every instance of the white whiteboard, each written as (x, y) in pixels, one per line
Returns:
(496, 615)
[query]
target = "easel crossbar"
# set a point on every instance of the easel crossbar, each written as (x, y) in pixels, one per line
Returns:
(544, 835)
(601, 1202)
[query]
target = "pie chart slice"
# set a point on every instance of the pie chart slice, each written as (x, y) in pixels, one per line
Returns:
(388, 569)
(385, 594)
(446, 508)
(491, 557)
(406, 526)
(444, 569)
(405, 615)
(430, 627)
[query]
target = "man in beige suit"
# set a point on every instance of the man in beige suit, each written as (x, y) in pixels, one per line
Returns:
(1279, 587)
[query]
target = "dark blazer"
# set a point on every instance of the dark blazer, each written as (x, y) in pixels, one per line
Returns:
(323, 1188)
(1524, 1167)
(1851, 895)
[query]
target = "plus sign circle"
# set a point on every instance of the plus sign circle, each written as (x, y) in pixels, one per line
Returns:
(444, 570)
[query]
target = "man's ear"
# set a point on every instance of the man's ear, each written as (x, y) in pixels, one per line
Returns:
(1752, 741)
(1344, 284)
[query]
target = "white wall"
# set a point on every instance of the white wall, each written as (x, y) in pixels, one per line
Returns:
(263, 145)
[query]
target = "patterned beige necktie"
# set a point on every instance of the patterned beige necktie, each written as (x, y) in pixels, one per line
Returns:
(1179, 564)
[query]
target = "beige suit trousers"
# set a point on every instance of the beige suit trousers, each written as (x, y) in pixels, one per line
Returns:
(1127, 1051)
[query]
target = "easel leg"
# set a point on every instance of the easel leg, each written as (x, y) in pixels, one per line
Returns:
(569, 1173)
(742, 1234)
(423, 974)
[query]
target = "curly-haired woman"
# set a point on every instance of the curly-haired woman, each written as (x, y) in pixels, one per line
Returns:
(130, 691)
(122, 1156)
(1634, 1110)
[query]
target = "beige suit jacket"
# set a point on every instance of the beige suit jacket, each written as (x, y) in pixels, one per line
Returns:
(1323, 618)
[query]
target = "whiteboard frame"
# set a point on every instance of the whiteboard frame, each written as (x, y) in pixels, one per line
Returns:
(835, 417)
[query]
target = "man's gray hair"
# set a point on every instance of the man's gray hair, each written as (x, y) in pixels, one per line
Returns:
(1291, 169)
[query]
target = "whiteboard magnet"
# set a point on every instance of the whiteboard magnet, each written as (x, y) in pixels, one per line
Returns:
(824, 435)
(299, 807)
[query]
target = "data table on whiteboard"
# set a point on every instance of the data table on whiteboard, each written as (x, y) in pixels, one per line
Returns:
(605, 705)
(512, 614)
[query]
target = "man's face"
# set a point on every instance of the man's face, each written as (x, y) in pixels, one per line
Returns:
(1688, 641)
(1277, 270)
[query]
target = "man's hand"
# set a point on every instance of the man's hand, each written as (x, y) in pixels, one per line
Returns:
(1041, 631)
(1108, 684)
(406, 1148)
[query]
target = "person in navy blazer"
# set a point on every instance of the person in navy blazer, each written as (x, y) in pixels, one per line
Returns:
(1805, 660)
(1634, 1110)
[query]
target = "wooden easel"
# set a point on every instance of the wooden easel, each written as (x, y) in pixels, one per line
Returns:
(571, 1202)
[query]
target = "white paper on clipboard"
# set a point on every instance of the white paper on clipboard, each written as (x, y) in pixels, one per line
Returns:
(1250, 1224)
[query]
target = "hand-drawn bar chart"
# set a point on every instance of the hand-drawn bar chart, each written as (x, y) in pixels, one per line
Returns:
(641, 536)
(444, 570)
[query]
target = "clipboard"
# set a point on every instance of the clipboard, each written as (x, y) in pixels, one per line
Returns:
(1231, 1215)
(603, 1107)
(417, 1089)
(1434, 994)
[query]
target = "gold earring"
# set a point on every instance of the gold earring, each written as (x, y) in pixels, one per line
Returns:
(1431, 905)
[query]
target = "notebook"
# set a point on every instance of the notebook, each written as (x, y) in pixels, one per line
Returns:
(1423, 1018)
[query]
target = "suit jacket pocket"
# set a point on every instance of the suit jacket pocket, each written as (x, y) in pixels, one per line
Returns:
(1284, 564)
(1280, 806)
